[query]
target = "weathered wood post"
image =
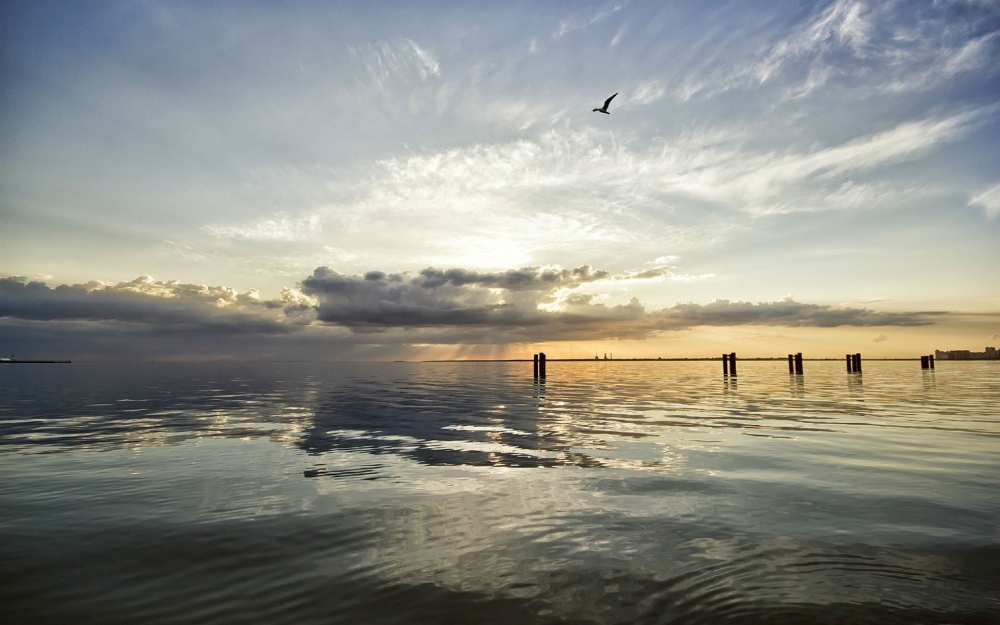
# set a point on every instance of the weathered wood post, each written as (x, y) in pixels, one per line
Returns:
(930, 359)
(536, 366)
(791, 364)
(923, 363)
(541, 365)
(850, 363)
(725, 364)
(732, 364)
(857, 363)
(798, 363)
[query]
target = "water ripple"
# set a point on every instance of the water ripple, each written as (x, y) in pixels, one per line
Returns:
(449, 492)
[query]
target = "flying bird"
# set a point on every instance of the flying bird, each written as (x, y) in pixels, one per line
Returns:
(604, 109)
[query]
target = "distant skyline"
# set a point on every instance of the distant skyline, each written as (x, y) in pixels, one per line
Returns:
(395, 180)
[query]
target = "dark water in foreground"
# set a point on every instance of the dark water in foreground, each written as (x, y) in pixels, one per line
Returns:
(464, 493)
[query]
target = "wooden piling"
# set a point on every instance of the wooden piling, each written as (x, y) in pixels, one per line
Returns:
(798, 363)
(732, 364)
(725, 364)
(923, 363)
(857, 363)
(850, 363)
(536, 366)
(930, 360)
(541, 365)
(791, 364)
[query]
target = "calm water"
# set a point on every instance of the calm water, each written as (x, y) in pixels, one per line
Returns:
(465, 493)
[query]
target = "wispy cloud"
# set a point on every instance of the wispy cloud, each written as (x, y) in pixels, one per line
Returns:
(429, 65)
(708, 167)
(618, 36)
(890, 47)
(646, 93)
(943, 62)
(578, 23)
(280, 228)
(512, 203)
(402, 62)
(685, 277)
(843, 23)
(989, 200)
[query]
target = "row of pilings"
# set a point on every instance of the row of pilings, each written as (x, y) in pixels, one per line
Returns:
(853, 362)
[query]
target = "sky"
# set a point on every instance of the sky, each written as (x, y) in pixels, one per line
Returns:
(369, 181)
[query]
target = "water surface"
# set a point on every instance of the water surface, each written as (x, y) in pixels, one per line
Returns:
(652, 492)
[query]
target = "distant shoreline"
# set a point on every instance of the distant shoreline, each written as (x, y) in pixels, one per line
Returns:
(35, 362)
(477, 360)
(711, 359)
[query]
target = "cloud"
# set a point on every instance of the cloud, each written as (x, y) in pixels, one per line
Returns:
(881, 338)
(526, 279)
(389, 64)
(943, 62)
(691, 277)
(545, 198)
(989, 200)
(583, 167)
(155, 305)
(646, 93)
(874, 299)
(428, 65)
(533, 200)
(881, 48)
(843, 23)
(906, 141)
(785, 312)
(852, 195)
(280, 228)
(578, 23)
(537, 303)
(618, 36)
(452, 297)
(432, 306)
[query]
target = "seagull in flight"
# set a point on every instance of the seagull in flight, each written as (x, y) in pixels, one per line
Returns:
(604, 109)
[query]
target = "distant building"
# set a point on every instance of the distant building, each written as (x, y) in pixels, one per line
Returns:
(990, 353)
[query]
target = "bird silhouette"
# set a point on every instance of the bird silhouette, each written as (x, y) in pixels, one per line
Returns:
(604, 109)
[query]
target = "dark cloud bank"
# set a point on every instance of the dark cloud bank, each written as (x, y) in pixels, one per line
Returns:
(433, 306)
(158, 306)
(508, 303)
